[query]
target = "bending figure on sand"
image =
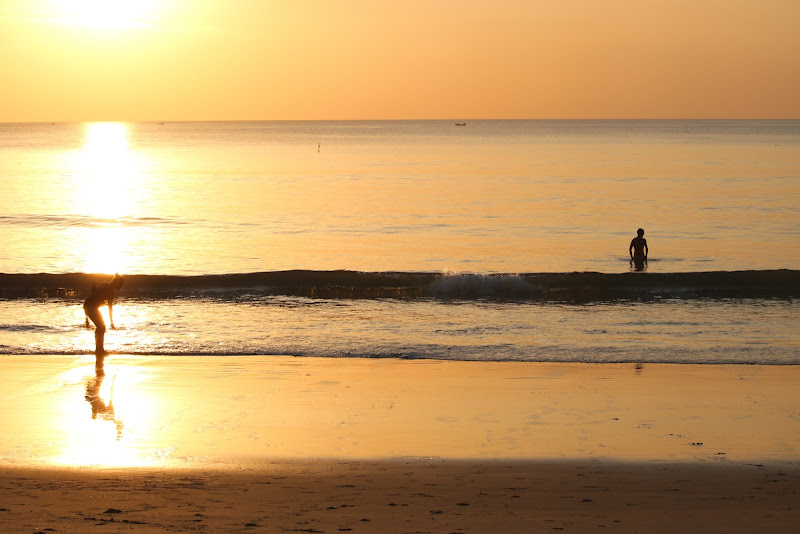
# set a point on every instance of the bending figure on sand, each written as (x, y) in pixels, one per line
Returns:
(101, 293)
(638, 250)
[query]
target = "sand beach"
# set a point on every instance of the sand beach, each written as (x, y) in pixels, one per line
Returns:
(395, 267)
(284, 444)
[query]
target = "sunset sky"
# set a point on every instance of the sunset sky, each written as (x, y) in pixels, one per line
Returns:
(412, 59)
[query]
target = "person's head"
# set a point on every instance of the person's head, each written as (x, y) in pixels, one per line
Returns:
(640, 232)
(117, 281)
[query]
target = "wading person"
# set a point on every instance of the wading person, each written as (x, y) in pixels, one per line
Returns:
(101, 293)
(638, 250)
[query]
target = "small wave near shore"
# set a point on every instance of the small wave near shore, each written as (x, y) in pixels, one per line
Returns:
(344, 284)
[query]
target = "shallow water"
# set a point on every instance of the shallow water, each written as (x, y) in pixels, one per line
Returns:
(710, 331)
(408, 197)
(494, 196)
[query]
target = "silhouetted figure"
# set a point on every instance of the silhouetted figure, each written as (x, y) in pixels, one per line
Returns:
(638, 250)
(101, 408)
(101, 293)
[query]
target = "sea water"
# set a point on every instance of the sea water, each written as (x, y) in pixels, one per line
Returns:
(489, 198)
(704, 331)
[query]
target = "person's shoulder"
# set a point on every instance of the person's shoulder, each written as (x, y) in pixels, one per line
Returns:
(104, 288)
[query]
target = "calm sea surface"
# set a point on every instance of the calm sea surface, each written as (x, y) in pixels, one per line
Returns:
(489, 197)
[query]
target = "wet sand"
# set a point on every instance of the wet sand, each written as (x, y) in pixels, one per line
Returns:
(277, 444)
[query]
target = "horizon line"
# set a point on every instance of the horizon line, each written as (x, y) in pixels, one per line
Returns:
(461, 120)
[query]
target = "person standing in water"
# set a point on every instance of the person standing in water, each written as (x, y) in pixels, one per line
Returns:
(638, 250)
(101, 293)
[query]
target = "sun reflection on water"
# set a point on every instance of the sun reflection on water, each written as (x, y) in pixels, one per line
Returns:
(108, 169)
(108, 249)
(108, 176)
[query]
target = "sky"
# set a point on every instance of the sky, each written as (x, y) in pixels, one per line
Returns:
(95, 60)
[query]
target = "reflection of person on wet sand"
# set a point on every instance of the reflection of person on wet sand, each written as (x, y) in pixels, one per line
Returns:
(638, 250)
(99, 406)
(103, 292)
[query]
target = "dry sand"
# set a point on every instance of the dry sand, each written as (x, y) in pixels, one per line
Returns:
(406, 496)
(277, 444)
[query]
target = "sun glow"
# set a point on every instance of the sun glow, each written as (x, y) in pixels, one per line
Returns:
(107, 176)
(107, 169)
(107, 14)
(107, 250)
(110, 425)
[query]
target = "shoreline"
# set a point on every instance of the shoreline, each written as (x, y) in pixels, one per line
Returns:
(276, 443)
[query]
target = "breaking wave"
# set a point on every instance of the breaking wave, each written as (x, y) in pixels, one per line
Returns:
(567, 287)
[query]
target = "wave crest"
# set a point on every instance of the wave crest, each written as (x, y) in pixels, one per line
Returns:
(571, 287)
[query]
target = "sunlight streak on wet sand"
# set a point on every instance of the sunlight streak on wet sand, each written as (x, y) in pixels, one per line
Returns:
(216, 411)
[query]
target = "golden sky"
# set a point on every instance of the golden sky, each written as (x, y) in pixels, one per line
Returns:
(410, 59)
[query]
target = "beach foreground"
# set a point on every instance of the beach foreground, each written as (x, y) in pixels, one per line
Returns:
(406, 496)
(275, 444)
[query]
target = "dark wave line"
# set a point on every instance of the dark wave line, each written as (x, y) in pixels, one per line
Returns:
(576, 286)
(657, 358)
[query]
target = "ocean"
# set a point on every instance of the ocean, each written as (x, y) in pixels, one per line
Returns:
(495, 240)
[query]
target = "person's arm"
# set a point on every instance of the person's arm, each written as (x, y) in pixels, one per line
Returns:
(111, 314)
(630, 250)
(646, 250)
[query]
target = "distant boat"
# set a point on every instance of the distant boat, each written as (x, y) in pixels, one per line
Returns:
(461, 124)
